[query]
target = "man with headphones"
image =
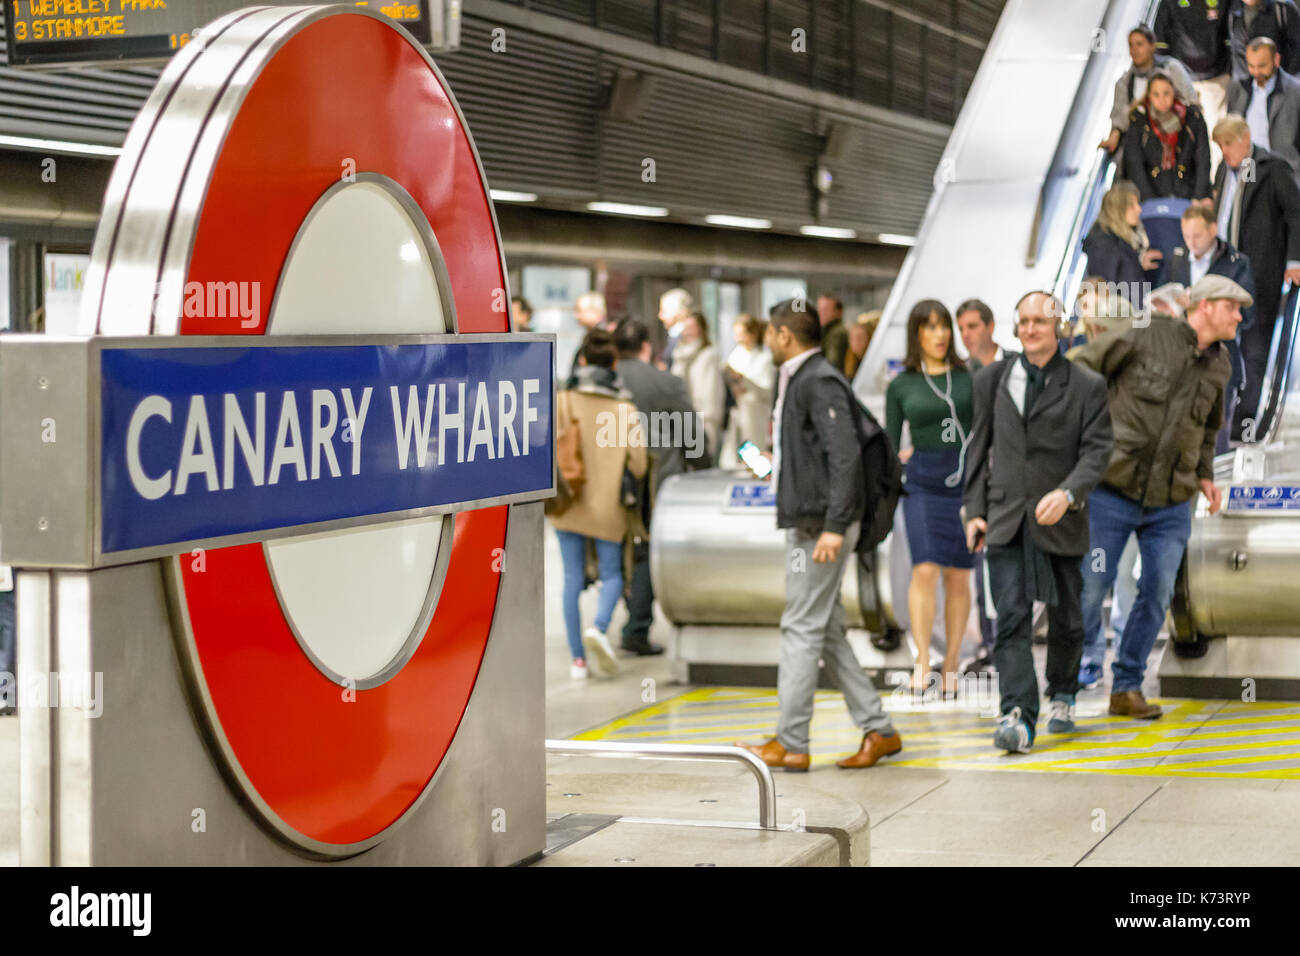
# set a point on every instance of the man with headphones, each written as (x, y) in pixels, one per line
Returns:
(1039, 444)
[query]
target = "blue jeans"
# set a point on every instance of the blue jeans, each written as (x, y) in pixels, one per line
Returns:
(609, 556)
(1162, 535)
(1094, 645)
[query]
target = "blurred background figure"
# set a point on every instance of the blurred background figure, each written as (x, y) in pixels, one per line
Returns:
(592, 401)
(589, 310)
(975, 322)
(1279, 20)
(860, 334)
(1167, 147)
(1117, 246)
(662, 398)
(1204, 253)
(835, 337)
(674, 306)
(695, 361)
(751, 376)
(521, 313)
(1195, 33)
(932, 396)
(1258, 212)
(1270, 100)
(1132, 86)
(1099, 308)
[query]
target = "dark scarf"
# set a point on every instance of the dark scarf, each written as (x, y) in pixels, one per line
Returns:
(595, 380)
(1167, 126)
(1040, 584)
(1036, 378)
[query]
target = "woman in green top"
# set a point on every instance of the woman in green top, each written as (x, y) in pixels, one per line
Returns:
(933, 396)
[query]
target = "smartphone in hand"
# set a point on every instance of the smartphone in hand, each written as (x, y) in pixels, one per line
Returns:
(756, 461)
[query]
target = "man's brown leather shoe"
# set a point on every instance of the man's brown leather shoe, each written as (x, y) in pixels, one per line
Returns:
(1131, 703)
(873, 748)
(774, 755)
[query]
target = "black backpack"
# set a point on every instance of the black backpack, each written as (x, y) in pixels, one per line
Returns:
(882, 476)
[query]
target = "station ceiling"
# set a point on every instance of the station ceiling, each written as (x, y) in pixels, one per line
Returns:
(732, 118)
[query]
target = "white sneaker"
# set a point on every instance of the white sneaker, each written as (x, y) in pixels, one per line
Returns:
(600, 655)
(578, 670)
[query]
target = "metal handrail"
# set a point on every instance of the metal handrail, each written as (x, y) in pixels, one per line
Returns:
(601, 748)
(1100, 177)
(1277, 377)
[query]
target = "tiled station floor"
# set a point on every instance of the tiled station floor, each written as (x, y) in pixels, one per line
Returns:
(1211, 783)
(1194, 738)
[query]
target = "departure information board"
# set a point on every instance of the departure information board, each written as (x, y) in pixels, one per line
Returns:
(79, 32)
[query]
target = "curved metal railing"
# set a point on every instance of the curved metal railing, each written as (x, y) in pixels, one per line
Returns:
(762, 775)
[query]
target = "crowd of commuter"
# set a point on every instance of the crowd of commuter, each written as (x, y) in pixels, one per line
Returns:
(1057, 474)
(1207, 117)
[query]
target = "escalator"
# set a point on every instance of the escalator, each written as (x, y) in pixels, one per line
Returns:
(1236, 608)
(1022, 178)
(1018, 186)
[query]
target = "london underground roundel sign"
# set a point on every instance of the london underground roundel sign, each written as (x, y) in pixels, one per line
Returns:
(299, 172)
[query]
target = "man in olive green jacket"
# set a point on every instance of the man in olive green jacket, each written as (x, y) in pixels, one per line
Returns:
(1166, 378)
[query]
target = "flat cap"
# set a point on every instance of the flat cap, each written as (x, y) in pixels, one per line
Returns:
(1218, 287)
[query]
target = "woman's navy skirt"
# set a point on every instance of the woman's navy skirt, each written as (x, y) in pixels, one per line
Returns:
(932, 510)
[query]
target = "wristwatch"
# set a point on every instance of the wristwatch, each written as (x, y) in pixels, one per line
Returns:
(1069, 496)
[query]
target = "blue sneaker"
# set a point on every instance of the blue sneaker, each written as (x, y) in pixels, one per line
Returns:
(1014, 735)
(1089, 676)
(1061, 720)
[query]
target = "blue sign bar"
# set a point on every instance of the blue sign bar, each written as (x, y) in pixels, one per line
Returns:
(1264, 498)
(751, 496)
(217, 441)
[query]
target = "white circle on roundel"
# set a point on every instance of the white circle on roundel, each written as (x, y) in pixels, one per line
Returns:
(360, 264)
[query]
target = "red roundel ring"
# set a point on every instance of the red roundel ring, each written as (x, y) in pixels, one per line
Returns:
(329, 774)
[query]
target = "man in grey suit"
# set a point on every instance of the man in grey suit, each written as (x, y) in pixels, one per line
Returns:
(673, 433)
(1040, 442)
(1269, 99)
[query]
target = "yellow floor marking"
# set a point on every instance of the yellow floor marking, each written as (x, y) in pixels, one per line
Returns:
(939, 727)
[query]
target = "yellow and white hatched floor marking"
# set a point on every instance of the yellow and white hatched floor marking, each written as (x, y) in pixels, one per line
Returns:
(1194, 738)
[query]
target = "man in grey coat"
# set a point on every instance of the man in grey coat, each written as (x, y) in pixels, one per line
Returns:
(673, 432)
(1269, 99)
(1039, 444)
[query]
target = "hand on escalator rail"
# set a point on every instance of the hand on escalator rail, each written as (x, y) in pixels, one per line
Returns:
(1212, 494)
(1292, 276)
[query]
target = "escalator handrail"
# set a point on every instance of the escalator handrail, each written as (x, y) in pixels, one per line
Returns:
(1101, 174)
(1277, 378)
(1065, 286)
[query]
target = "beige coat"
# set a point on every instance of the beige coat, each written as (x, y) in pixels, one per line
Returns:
(612, 439)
